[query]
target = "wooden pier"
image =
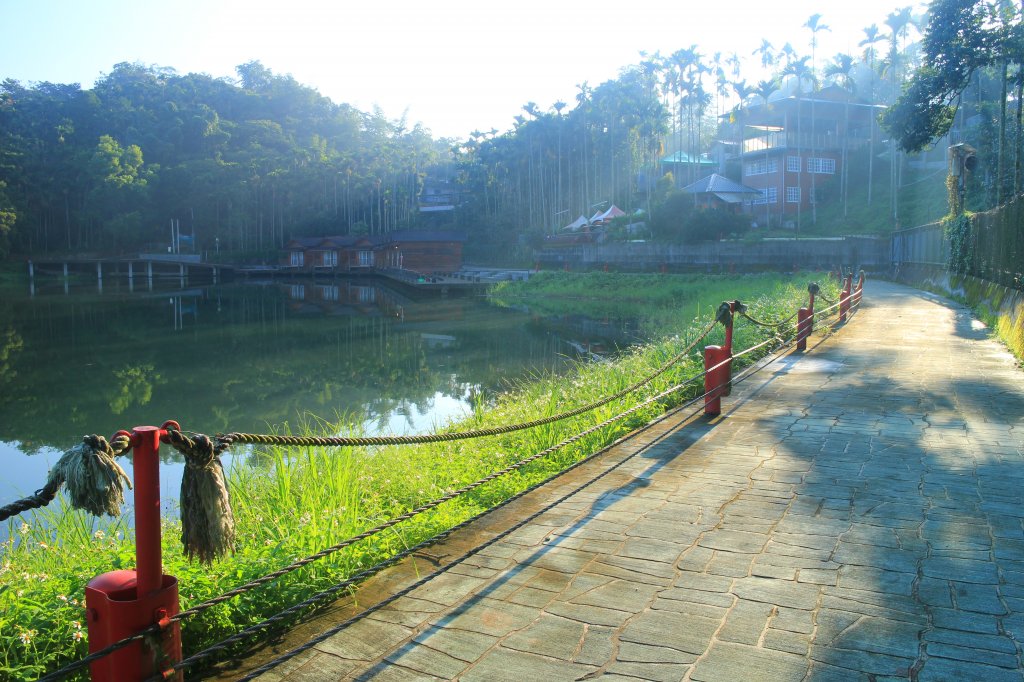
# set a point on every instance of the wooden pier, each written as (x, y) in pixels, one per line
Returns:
(148, 267)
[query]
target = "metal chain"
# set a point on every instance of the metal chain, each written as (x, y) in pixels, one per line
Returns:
(226, 440)
(270, 665)
(335, 589)
(242, 589)
(759, 323)
(60, 674)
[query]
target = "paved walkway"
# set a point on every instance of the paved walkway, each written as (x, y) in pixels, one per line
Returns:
(855, 514)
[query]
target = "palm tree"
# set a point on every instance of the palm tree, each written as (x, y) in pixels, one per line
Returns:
(798, 69)
(583, 102)
(767, 52)
(1002, 13)
(765, 89)
(839, 70)
(558, 106)
(871, 36)
(899, 22)
(743, 92)
(815, 26)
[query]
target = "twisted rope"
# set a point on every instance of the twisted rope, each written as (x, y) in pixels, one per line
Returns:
(242, 589)
(40, 498)
(222, 443)
(270, 665)
(207, 524)
(759, 323)
(226, 440)
(335, 589)
(95, 481)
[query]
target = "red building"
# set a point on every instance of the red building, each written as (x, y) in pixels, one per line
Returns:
(794, 146)
(419, 251)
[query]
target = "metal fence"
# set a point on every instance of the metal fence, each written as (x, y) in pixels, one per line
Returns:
(994, 249)
(922, 245)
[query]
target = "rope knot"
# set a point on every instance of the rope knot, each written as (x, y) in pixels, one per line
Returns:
(94, 481)
(207, 523)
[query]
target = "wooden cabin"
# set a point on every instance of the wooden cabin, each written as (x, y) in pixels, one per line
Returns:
(420, 251)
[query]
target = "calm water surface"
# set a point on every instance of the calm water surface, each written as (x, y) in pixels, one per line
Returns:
(252, 357)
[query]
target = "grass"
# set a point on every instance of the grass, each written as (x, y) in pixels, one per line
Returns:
(290, 503)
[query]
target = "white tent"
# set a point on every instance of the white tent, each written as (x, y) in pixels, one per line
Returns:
(576, 225)
(613, 212)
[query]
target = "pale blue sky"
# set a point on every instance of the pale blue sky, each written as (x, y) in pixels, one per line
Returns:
(453, 65)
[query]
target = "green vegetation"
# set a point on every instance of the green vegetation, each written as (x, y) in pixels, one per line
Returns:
(245, 165)
(972, 60)
(292, 502)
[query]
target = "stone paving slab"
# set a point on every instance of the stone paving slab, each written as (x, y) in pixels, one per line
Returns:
(856, 513)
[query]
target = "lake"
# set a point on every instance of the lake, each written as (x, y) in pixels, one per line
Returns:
(254, 357)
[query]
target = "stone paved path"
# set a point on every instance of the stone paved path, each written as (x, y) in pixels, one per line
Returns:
(855, 514)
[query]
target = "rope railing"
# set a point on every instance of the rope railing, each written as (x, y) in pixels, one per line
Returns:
(226, 440)
(782, 336)
(270, 665)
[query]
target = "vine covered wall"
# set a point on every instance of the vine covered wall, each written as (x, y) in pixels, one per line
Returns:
(988, 245)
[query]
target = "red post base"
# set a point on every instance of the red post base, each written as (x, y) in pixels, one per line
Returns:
(114, 611)
(844, 298)
(717, 379)
(804, 327)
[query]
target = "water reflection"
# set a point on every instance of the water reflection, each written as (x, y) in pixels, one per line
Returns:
(247, 357)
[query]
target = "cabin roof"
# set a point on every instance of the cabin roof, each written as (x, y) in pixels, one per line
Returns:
(719, 184)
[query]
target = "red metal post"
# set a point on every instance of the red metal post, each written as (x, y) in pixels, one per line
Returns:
(718, 364)
(859, 290)
(119, 604)
(844, 297)
(146, 463)
(805, 319)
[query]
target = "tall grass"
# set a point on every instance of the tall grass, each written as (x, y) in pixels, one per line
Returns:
(293, 502)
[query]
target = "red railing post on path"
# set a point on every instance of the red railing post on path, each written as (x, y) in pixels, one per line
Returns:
(859, 290)
(119, 604)
(844, 297)
(718, 363)
(805, 318)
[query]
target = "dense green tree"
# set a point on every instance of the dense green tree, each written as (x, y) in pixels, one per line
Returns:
(957, 42)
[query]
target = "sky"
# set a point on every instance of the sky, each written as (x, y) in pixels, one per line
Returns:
(452, 65)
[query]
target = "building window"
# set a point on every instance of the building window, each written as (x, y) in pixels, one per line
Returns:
(793, 164)
(298, 292)
(365, 294)
(329, 292)
(792, 195)
(297, 259)
(762, 167)
(769, 195)
(330, 259)
(365, 258)
(823, 166)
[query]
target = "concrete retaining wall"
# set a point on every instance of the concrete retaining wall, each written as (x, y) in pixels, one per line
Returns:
(1003, 305)
(870, 253)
